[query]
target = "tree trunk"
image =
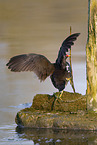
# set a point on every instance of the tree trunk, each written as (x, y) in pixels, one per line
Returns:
(91, 52)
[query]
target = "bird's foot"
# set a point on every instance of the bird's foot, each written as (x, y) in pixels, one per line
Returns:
(58, 97)
(61, 96)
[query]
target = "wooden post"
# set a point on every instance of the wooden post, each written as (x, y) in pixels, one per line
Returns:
(91, 53)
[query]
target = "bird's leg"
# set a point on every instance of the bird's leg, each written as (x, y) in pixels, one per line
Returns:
(57, 98)
(60, 96)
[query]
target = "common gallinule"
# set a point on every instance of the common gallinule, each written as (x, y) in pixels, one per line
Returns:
(59, 72)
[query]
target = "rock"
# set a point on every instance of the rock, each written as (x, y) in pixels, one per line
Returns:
(72, 102)
(31, 118)
(47, 112)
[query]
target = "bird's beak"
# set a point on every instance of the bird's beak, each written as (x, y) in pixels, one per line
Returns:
(67, 55)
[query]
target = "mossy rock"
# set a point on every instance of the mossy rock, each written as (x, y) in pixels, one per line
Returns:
(46, 112)
(72, 102)
(81, 120)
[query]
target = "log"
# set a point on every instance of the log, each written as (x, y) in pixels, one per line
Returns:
(91, 53)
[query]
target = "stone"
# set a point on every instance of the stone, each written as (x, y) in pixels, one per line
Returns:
(47, 112)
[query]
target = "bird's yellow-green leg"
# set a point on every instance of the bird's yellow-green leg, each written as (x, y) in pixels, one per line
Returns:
(56, 99)
(60, 96)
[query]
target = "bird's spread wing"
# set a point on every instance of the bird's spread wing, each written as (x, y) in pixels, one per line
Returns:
(67, 43)
(39, 64)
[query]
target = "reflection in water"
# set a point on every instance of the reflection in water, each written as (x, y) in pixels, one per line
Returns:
(61, 137)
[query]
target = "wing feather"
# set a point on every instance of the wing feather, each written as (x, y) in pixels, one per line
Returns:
(67, 43)
(39, 64)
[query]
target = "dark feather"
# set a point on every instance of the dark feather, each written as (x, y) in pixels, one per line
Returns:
(59, 78)
(59, 72)
(67, 43)
(39, 64)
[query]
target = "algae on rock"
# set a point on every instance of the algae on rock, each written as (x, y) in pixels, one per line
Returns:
(72, 102)
(76, 118)
(47, 112)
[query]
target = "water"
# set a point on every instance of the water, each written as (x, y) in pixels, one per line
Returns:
(39, 27)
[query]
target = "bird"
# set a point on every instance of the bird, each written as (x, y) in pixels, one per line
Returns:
(59, 71)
